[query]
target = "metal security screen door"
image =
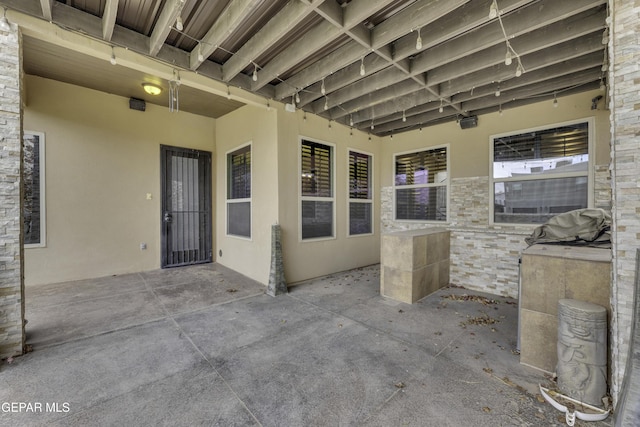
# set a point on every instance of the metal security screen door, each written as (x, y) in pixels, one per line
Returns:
(186, 206)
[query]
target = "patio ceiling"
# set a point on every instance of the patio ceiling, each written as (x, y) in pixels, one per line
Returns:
(357, 62)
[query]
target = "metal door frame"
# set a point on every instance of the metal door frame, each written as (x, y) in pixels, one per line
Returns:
(205, 201)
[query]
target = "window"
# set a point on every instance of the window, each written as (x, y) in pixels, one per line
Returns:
(239, 192)
(360, 194)
(540, 173)
(421, 181)
(33, 198)
(316, 184)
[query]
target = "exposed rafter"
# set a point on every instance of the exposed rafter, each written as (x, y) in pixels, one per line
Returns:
(109, 18)
(168, 15)
(46, 9)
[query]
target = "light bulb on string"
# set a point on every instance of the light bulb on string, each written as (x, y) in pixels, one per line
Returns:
(297, 98)
(372, 125)
(498, 90)
(555, 100)
(362, 70)
(520, 69)
(200, 55)
(326, 103)
(419, 41)
(113, 60)
(508, 59)
(404, 116)
(441, 109)
(179, 24)
(493, 10)
(323, 90)
(351, 120)
(254, 77)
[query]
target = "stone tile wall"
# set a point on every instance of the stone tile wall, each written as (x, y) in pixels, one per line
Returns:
(11, 284)
(483, 257)
(624, 103)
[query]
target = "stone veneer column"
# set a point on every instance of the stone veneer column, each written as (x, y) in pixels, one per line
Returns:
(11, 269)
(624, 102)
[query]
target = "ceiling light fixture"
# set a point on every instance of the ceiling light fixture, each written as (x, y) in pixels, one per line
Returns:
(419, 41)
(4, 22)
(151, 88)
(362, 70)
(179, 24)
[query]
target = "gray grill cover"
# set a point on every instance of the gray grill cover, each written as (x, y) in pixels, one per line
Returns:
(585, 227)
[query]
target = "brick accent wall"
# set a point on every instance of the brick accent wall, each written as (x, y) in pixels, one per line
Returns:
(624, 101)
(11, 269)
(483, 257)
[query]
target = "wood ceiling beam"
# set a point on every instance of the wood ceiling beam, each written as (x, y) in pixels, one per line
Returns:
(168, 15)
(555, 33)
(444, 27)
(109, 19)
(273, 31)
(331, 28)
(537, 40)
(570, 66)
(538, 60)
(45, 5)
(225, 24)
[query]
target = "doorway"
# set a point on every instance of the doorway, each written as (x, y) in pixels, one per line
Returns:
(185, 206)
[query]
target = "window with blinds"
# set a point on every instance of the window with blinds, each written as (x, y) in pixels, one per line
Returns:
(316, 184)
(239, 192)
(360, 194)
(539, 174)
(421, 182)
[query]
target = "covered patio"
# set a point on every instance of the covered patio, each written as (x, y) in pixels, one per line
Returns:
(204, 345)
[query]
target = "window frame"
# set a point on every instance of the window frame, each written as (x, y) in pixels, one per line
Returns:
(229, 201)
(371, 198)
(590, 121)
(302, 198)
(43, 198)
(447, 185)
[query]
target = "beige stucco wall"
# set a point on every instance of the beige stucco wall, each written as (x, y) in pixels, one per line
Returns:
(308, 259)
(101, 160)
(470, 147)
(257, 126)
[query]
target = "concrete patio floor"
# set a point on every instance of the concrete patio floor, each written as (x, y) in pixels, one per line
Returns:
(204, 345)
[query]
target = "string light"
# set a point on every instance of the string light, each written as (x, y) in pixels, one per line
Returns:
(441, 109)
(508, 58)
(351, 120)
(404, 116)
(254, 77)
(323, 90)
(419, 41)
(362, 70)
(555, 100)
(326, 103)
(113, 60)
(498, 90)
(520, 69)
(179, 24)
(372, 125)
(297, 97)
(4, 22)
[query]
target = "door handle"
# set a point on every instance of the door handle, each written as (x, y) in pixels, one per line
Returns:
(167, 217)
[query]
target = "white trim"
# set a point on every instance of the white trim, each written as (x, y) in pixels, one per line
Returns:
(590, 167)
(226, 193)
(43, 194)
(331, 199)
(370, 201)
(447, 184)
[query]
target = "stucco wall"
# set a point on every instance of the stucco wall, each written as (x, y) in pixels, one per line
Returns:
(307, 259)
(102, 158)
(484, 256)
(257, 126)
